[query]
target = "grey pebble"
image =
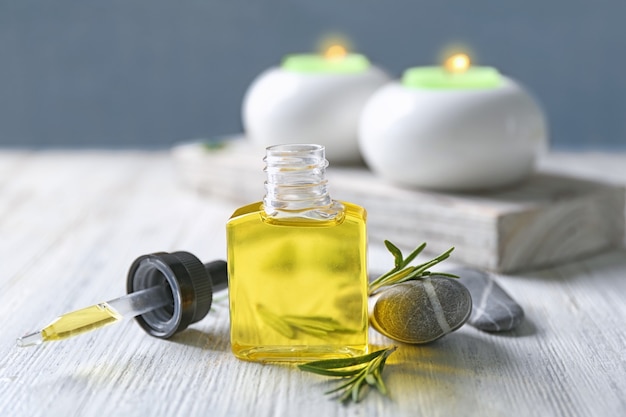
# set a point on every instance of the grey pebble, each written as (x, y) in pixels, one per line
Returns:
(421, 311)
(494, 310)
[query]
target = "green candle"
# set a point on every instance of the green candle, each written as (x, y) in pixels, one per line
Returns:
(314, 63)
(455, 74)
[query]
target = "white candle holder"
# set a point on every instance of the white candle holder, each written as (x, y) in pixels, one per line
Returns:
(452, 139)
(284, 106)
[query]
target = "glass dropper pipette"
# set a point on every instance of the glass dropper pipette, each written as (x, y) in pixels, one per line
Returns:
(100, 315)
(166, 293)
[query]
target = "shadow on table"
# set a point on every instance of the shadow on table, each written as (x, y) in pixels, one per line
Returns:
(216, 338)
(452, 361)
(525, 329)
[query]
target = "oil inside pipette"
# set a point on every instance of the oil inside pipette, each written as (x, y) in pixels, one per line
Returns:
(72, 324)
(80, 321)
(99, 315)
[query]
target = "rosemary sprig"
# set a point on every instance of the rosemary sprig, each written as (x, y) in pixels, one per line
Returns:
(358, 372)
(402, 272)
(290, 325)
(212, 145)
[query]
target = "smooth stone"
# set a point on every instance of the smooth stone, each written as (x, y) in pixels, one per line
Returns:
(494, 310)
(421, 311)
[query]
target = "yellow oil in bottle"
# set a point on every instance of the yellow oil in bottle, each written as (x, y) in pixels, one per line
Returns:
(297, 287)
(80, 321)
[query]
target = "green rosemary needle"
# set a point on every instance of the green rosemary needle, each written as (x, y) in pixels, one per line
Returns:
(402, 272)
(291, 325)
(212, 145)
(358, 372)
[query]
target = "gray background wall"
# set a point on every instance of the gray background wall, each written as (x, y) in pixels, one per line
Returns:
(149, 73)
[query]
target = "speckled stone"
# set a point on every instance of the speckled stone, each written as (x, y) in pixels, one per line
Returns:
(494, 310)
(421, 311)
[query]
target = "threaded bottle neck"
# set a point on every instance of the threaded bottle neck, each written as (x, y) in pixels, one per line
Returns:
(296, 180)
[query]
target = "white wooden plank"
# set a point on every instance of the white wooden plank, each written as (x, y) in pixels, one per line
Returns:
(64, 247)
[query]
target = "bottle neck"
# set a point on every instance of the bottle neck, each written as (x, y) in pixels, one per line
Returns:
(296, 182)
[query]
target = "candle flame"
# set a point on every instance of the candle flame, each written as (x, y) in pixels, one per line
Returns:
(335, 52)
(457, 63)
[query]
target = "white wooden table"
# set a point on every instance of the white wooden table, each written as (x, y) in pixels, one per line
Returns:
(72, 222)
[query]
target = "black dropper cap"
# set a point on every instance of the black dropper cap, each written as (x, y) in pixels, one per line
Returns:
(191, 282)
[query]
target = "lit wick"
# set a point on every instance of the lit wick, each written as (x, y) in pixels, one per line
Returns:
(335, 52)
(457, 63)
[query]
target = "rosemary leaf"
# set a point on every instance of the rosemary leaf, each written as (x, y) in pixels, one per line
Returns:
(380, 384)
(329, 372)
(338, 388)
(369, 373)
(397, 253)
(291, 325)
(322, 319)
(347, 394)
(445, 274)
(402, 272)
(275, 322)
(212, 145)
(414, 254)
(356, 391)
(345, 362)
(312, 331)
(310, 323)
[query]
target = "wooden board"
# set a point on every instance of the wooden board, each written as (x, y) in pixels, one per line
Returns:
(548, 220)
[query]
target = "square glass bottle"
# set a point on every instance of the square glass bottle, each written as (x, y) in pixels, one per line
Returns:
(297, 266)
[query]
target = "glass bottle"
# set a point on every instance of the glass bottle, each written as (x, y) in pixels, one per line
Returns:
(297, 266)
